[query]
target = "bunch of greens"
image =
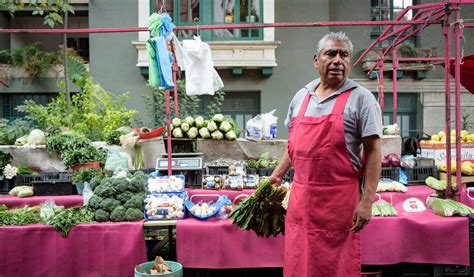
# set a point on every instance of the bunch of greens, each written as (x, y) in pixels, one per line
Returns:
(64, 220)
(264, 162)
(87, 174)
(23, 216)
(74, 148)
(262, 211)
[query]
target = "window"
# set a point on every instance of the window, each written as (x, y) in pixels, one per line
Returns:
(196, 12)
(242, 106)
(385, 10)
(10, 101)
(406, 113)
(80, 45)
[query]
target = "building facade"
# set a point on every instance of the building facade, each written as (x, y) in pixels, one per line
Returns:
(261, 69)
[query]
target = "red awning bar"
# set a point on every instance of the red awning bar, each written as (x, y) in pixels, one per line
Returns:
(220, 26)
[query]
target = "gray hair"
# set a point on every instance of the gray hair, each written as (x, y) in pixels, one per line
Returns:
(339, 36)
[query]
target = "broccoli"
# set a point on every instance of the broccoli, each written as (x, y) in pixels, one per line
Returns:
(94, 202)
(95, 181)
(121, 184)
(137, 184)
(105, 189)
(134, 214)
(118, 214)
(109, 204)
(135, 202)
(124, 196)
(101, 216)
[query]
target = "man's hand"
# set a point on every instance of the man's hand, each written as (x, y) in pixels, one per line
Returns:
(362, 216)
(280, 170)
(275, 180)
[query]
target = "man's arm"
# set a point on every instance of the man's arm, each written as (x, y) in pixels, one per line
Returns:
(373, 157)
(281, 169)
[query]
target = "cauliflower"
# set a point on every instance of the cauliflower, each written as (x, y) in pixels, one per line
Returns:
(199, 122)
(189, 120)
(211, 126)
(176, 122)
(230, 135)
(225, 126)
(217, 135)
(218, 117)
(36, 137)
(204, 133)
(193, 132)
(177, 133)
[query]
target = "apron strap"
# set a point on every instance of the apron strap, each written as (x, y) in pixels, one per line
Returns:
(304, 106)
(341, 101)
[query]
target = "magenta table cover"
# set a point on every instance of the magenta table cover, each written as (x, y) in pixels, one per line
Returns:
(101, 249)
(410, 237)
(61, 200)
(467, 197)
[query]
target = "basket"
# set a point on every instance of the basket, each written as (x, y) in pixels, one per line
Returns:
(176, 268)
(151, 134)
(418, 174)
(390, 173)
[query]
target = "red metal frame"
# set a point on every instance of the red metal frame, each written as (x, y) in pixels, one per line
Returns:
(420, 18)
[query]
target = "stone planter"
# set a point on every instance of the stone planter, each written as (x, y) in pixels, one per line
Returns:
(36, 158)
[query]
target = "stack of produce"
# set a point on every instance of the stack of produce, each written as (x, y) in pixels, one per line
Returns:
(216, 128)
(440, 186)
(264, 162)
(383, 208)
(467, 167)
(119, 198)
(391, 160)
(262, 211)
(440, 137)
(390, 185)
(448, 207)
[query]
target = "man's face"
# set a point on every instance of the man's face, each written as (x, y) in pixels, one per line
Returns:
(333, 63)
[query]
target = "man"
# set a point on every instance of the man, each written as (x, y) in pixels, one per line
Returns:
(334, 124)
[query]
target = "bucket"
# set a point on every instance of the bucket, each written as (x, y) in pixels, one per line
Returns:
(176, 269)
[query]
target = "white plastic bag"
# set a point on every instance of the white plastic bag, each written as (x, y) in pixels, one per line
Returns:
(262, 126)
(86, 193)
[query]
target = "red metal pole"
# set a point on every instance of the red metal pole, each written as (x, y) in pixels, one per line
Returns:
(175, 90)
(168, 126)
(381, 95)
(432, 59)
(394, 74)
(447, 87)
(457, 35)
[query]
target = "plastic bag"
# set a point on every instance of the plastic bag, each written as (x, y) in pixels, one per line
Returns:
(408, 161)
(86, 193)
(49, 208)
(116, 160)
(262, 126)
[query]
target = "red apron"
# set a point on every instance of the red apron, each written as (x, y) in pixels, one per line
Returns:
(324, 195)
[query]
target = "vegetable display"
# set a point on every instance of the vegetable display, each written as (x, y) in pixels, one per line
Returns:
(64, 220)
(264, 162)
(262, 211)
(391, 159)
(383, 208)
(218, 127)
(448, 207)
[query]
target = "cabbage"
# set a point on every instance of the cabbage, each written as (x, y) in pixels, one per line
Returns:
(36, 137)
(193, 132)
(176, 122)
(200, 122)
(204, 133)
(225, 126)
(185, 127)
(211, 126)
(21, 140)
(218, 117)
(230, 135)
(177, 133)
(217, 135)
(189, 120)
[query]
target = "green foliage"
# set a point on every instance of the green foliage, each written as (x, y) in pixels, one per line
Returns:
(101, 215)
(86, 174)
(24, 216)
(36, 62)
(133, 214)
(118, 214)
(52, 10)
(11, 130)
(188, 105)
(407, 50)
(95, 112)
(74, 148)
(64, 220)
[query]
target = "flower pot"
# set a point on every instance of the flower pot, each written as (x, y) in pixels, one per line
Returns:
(76, 167)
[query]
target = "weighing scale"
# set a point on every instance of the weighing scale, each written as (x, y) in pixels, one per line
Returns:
(187, 164)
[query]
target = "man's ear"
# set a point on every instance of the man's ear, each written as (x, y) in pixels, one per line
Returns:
(315, 59)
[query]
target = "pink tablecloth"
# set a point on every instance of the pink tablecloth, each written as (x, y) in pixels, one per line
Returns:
(60, 200)
(231, 194)
(410, 237)
(467, 197)
(101, 249)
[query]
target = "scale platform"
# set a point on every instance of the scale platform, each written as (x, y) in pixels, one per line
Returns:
(181, 161)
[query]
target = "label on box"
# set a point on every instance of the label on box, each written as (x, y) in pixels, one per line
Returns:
(437, 152)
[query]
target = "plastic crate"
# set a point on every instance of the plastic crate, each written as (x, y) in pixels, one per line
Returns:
(217, 170)
(53, 187)
(390, 173)
(451, 270)
(414, 269)
(27, 180)
(418, 174)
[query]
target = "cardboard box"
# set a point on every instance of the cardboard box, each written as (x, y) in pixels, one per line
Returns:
(437, 151)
